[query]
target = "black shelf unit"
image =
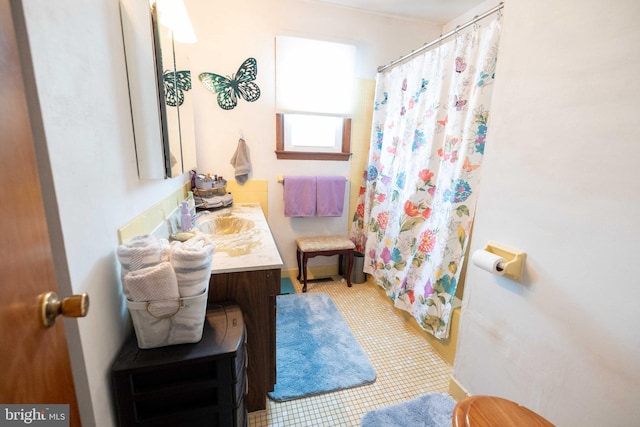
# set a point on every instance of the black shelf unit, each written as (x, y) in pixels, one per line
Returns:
(201, 384)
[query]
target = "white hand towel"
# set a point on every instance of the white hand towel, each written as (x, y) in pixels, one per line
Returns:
(141, 252)
(191, 261)
(241, 162)
(158, 286)
(155, 283)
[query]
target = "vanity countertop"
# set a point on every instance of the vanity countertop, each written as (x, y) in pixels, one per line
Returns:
(250, 250)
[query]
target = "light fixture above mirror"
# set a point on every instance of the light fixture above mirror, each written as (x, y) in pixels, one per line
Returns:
(173, 15)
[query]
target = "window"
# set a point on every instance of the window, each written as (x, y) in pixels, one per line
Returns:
(314, 98)
(312, 137)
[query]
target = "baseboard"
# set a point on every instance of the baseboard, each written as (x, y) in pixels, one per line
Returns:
(456, 390)
(317, 272)
(289, 273)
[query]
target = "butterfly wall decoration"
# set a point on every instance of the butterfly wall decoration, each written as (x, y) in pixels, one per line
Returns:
(175, 84)
(239, 85)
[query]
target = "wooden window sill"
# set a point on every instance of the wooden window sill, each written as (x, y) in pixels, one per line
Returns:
(305, 155)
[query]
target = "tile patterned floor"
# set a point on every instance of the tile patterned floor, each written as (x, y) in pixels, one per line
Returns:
(405, 363)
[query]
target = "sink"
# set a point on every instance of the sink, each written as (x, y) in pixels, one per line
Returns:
(224, 225)
(232, 235)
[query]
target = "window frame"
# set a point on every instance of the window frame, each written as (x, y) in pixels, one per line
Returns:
(282, 153)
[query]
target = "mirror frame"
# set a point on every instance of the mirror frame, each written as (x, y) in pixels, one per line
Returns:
(157, 49)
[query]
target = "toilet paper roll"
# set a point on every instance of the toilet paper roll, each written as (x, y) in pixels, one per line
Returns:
(489, 262)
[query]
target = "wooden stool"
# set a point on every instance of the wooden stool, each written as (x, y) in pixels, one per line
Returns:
(309, 247)
(489, 411)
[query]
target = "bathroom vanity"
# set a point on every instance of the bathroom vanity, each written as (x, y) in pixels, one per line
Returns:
(246, 270)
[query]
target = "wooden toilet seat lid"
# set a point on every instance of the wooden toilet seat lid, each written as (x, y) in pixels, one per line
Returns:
(490, 411)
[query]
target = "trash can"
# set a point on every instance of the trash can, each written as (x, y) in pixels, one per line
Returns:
(357, 271)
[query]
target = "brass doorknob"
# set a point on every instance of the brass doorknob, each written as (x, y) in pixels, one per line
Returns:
(51, 306)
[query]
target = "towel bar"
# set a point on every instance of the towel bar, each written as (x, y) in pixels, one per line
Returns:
(280, 179)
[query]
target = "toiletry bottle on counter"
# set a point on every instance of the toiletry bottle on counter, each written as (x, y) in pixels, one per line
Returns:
(191, 204)
(185, 216)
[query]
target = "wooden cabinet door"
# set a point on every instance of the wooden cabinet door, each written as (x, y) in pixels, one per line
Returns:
(255, 293)
(34, 360)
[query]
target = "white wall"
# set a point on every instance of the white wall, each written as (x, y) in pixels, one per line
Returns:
(560, 182)
(81, 79)
(229, 33)
(469, 15)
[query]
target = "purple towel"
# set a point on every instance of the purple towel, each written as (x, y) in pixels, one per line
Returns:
(299, 196)
(330, 199)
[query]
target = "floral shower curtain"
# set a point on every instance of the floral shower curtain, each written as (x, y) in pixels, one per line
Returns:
(417, 200)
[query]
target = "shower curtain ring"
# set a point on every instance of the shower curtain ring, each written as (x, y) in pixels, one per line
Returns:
(475, 23)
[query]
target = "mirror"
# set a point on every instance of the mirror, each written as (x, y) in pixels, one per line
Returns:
(173, 76)
(161, 106)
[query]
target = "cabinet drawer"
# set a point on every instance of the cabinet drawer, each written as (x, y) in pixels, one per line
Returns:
(177, 405)
(172, 376)
(208, 416)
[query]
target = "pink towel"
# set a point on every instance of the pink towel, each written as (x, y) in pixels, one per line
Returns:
(330, 199)
(299, 196)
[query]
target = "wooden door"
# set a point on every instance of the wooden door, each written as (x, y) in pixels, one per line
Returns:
(255, 293)
(34, 360)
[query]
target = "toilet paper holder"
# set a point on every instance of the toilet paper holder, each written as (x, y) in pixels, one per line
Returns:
(514, 265)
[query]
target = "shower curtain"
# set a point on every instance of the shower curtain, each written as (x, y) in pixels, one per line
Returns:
(418, 196)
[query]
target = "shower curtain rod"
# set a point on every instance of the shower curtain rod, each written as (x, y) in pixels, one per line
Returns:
(439, 39)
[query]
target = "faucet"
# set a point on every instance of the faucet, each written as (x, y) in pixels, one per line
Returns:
(199, 214)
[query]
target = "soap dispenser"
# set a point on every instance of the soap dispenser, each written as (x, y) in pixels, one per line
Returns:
(185, 216)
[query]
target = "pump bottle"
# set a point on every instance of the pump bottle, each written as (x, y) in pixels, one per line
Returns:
(185, 216)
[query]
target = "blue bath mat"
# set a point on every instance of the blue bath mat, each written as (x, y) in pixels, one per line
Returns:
(431, 410)
(286, 287)
(316, 352)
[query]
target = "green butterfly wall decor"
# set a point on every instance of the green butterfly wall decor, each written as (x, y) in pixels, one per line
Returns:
(175, 84)
(229, 89)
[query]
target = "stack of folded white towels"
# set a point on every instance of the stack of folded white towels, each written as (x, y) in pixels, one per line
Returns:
(164, 276)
